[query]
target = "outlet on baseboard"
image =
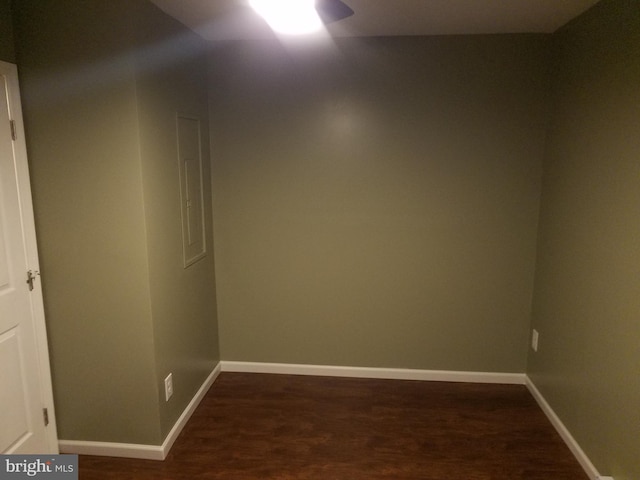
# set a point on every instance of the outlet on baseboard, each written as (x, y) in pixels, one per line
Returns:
(534, 340)
(168, 387)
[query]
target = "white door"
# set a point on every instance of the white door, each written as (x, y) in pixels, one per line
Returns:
(25, 379)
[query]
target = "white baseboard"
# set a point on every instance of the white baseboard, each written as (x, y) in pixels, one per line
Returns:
(146, 452)
(571, 442)
(381, 373)
(186, 414)
(111, 449)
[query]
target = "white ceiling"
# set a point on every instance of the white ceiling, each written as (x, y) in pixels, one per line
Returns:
(233, 19)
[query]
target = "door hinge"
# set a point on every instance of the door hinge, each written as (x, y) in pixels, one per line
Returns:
(45, 414)
(14, 135)
(31, 276)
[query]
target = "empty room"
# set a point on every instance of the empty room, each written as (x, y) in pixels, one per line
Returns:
(403, 244)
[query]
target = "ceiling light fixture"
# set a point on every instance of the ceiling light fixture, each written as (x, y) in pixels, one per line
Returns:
(290, 17)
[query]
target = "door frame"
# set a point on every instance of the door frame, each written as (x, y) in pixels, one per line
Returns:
(10, 71)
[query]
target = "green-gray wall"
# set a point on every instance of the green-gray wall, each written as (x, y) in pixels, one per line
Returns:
(587, 294)
(7, 46)
(171, 77)
(79, 101)
(108, 239)
(376, 200)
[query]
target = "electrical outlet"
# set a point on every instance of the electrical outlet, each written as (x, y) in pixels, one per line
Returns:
(168, 387)
(534, 340)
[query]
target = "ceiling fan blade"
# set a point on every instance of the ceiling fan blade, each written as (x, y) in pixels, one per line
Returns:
(333, 10)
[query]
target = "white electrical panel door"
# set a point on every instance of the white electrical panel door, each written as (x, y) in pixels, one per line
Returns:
(191, 190)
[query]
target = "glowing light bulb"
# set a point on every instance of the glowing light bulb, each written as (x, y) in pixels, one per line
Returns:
(290, 17)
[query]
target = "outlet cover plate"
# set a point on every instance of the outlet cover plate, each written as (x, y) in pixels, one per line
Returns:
(168, 387)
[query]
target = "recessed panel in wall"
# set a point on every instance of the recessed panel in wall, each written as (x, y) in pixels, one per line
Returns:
(15, 420)
(4, 262)
(191, 189)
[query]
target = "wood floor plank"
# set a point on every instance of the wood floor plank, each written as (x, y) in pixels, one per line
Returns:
(286, 427)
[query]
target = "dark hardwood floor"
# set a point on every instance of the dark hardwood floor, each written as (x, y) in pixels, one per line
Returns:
(256, 426)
